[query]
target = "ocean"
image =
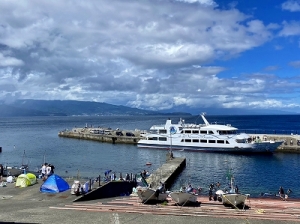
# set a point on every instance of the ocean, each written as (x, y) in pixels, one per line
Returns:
(37, 137)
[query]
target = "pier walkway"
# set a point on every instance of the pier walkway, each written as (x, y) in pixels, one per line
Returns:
(167, 172)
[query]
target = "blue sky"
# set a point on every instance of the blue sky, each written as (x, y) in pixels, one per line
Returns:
(153, 54)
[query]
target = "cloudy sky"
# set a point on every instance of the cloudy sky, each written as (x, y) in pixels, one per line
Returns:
(153, 54)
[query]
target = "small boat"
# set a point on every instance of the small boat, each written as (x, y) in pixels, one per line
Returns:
(233, 198)
(147, 194)
(204, 137)
(183, 198)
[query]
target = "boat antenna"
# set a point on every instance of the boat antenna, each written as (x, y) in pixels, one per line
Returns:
(197, 119)
(204, 119)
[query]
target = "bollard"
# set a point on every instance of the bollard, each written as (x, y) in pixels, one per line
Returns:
(90, 185)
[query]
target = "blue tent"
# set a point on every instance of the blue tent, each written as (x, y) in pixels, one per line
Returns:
(54, 184)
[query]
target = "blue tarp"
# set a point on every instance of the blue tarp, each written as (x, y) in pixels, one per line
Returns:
(54, 184)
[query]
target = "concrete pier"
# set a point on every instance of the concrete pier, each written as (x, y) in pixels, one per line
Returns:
(103, 135)
(291, 142)
(167, 172)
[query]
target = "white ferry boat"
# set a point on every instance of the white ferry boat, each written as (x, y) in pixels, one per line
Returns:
(204, 137)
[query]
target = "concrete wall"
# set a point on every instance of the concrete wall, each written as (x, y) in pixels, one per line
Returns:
(108, 190)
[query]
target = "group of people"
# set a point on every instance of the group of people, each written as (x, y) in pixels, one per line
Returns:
(46, 170)
(111, 176)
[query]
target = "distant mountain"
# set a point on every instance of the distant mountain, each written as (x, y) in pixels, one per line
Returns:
(30, 107)
(228, 111)
(68, 108)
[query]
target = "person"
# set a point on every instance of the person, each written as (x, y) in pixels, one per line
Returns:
(48, 171)
(189, 189)
(236, 189)
(210, 193)
(218, 184)
(52, 168)
(43, 170)
(1, 172)
(127, 177)
(281, 192)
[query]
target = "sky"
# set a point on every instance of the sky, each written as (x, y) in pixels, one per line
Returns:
(153, 54)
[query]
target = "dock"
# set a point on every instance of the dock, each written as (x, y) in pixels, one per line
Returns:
(103, 135)
(291, 142)
(167, 172)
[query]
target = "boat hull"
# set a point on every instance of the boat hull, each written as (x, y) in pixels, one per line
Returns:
(233, 199)
(150, 195)
(263, 147)
(182, 198)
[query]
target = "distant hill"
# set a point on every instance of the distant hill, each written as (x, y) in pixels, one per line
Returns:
(68, 108)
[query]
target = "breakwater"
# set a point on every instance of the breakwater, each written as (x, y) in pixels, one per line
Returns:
(103, 135)
(291, 142)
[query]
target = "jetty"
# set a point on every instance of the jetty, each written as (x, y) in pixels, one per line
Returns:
(291, 142)
(166, 174)
(103, 135)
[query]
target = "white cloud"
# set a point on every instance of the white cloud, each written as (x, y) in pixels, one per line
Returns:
(295, 64)
(204, 2)
(290, 29)
(9, 61)
(291, 5)
(150, 54)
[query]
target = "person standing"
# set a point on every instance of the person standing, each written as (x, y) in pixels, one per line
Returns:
(1, 172)
(281, 193)
(43, 171)
(48, 170)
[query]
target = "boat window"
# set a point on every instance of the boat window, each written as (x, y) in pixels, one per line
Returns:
(203, 141)
(210, 132)
(203, 132)
(187, 131)
(162, 139)
(195, 140)
(188, 140)
(227, 142)
(163, 131)
(240, 140)
(195, 131)
(211, 141)
(227, 132)
(220, 141)
(152, 138)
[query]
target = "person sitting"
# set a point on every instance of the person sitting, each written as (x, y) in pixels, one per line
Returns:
(189, 189)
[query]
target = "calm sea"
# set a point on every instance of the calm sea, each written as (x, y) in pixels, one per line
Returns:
(255, 174)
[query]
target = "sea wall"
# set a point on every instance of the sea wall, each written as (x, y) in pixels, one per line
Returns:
(291, 142)
(111, 136)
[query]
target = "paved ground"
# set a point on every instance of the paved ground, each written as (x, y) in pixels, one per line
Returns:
(28, 205)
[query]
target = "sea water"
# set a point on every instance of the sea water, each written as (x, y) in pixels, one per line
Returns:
(34, 140)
